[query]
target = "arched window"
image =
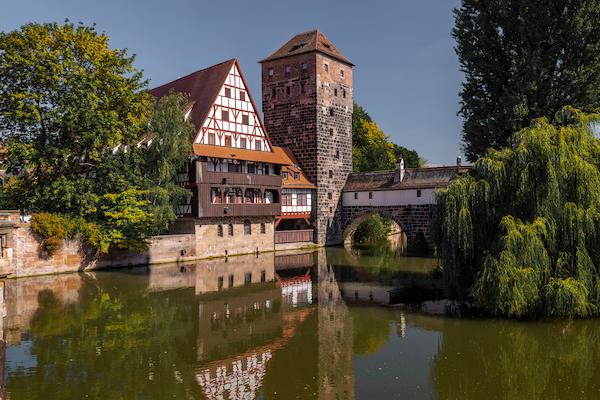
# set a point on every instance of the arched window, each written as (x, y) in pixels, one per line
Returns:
(230, 229)
(247, 227)
(220, 230)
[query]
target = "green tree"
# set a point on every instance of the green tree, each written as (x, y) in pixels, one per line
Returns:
(520, 234)
(87, 142)
(524, 59)
(372, 149)
(65, 96)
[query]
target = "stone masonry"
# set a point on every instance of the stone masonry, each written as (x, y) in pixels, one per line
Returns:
(412, 219)
(307, 106)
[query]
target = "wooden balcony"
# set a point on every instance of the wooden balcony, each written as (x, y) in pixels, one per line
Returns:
(203, 176)
(239, 210)
(295, 236)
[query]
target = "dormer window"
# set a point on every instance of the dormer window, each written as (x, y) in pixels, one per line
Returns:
(296, 175)
(285, 175)
(227, 92)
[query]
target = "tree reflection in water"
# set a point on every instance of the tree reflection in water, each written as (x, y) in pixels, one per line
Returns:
(273, 333)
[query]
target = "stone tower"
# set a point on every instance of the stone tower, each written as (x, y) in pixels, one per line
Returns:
(307, 106)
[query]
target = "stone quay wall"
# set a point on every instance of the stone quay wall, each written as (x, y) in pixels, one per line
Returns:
(189, 240)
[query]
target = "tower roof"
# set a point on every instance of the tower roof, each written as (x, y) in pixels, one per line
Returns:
(305, 43)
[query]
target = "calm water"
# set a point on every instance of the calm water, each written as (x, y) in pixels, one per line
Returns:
(305, 326)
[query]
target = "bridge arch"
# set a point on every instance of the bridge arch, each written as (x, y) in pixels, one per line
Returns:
(352, 224)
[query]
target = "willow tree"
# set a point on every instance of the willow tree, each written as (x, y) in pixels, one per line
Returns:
(520, 234)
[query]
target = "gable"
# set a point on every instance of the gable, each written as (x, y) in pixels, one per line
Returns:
(232, 120)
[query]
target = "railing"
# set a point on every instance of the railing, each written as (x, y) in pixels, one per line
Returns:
(239, 210)
(300, 235)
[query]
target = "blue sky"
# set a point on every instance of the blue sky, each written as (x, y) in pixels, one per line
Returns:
(406, 76)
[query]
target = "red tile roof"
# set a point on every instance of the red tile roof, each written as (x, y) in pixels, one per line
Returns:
(201, 86)
(305, 43)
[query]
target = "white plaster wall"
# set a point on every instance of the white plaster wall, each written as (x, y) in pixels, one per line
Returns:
(389, 198)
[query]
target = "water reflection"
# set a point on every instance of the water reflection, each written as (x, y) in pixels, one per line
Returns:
(309, 325)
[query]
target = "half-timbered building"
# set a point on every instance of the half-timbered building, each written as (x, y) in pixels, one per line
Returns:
(235, 171)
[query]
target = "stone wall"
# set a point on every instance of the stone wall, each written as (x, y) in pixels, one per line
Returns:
(196, 239)
(310, 112)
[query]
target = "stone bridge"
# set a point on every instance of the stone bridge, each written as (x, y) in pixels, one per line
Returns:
(406, 196)
(413, 219)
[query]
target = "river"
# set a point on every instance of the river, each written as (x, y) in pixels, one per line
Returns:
(296, 326)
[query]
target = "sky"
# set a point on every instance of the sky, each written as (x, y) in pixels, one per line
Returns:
(407, 74)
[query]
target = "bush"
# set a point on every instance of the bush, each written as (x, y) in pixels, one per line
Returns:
(53, 228)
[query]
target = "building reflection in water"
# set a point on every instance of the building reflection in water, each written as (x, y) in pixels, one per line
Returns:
(249, 308)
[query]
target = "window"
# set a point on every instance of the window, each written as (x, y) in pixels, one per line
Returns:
(230, 196)
(342, 73)
(251, 168)
(326, 67)
(258, 145)
(242, 143)
(230, 280)
(263, 228)
(303, 87)
(335, 92)
(287, 199)
(220, 283)
(330, 131)
(230, 229)
(270, 72)
(263, 275)
(288, 70)
(242, 95)
(247, 278)
(344, 93)
(330, 173)
(288, 90)
(355, 196)
(337, 154)
(215, 194)
(273, 92)
(370, 195)
(228, 141)
(212, 138)
(296, 175)
(245, 119)
(330, 212)
(331, 111)
(418, 192)
(302, 199)
(285, 175)
(304, 66)
(225, 115)
(247, 227)
(220, 230)
(227, 92)
(329, 195)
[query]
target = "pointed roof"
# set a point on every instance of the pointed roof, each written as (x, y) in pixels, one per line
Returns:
(202, 87)
(308, 42)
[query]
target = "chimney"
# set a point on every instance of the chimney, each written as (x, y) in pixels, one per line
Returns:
(399, 173)
(458, 161)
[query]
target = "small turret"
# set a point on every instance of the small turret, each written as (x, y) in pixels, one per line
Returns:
(399, 173)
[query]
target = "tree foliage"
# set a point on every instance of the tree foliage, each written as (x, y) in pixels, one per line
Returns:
(524, 59)
(372, 149)
(72, 116)
(521, 233)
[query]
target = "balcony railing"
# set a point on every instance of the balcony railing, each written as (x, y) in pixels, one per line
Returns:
(240, 210)
(295, 236)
